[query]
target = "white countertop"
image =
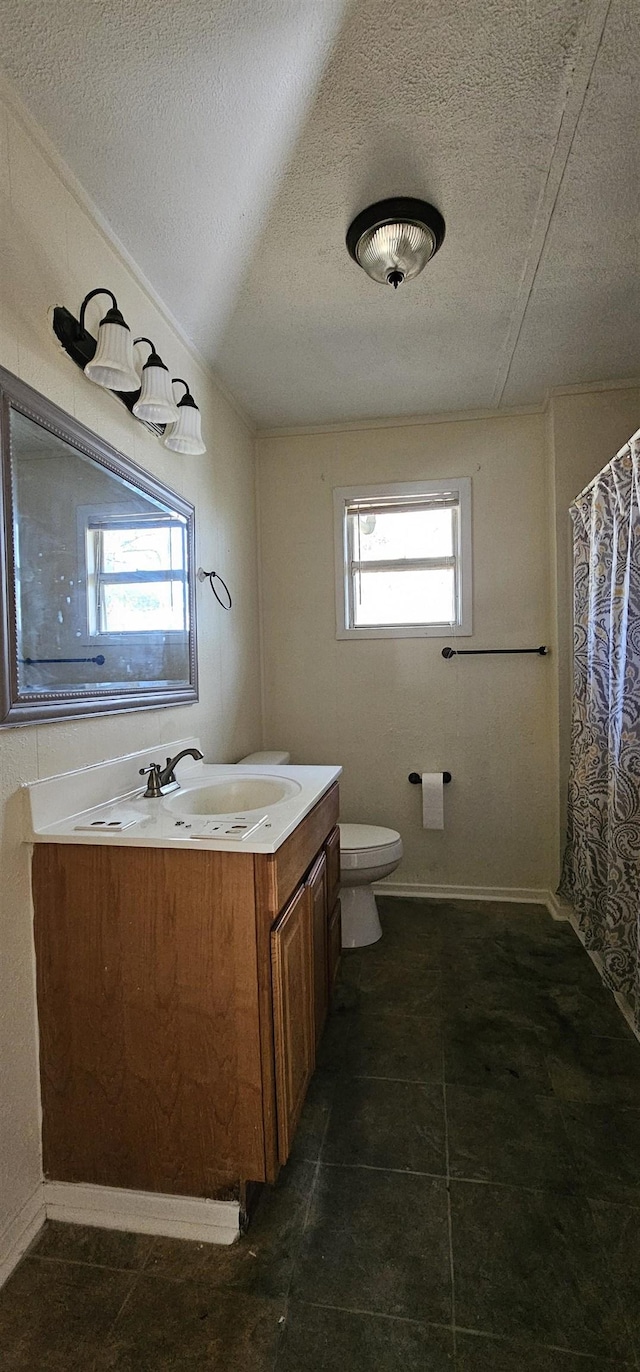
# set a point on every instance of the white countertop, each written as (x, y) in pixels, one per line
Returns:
(63, 809)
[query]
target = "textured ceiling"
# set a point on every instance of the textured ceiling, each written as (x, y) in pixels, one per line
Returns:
(230, 142)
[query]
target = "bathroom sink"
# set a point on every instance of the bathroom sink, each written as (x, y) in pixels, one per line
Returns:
(232, 796)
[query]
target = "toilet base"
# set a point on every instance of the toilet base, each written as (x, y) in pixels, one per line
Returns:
(360, 919)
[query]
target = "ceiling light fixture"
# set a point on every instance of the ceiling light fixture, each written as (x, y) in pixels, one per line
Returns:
(185, 435)
(394, 239)
(155, 402)
(112, 363)
(109, 362)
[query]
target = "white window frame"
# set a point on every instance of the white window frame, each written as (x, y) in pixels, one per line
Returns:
(458, 488)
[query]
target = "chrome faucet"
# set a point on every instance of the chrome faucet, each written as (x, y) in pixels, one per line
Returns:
(161, 778)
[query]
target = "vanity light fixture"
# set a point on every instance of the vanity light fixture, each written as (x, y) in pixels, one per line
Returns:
(109, 362)
(112, 363)
(185, 435)
(155, 402)
(394, 239)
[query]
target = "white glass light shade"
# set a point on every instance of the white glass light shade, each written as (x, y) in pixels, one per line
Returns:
(155, 403)
(112, 363)
(185, 435)
(402, 248)
(394, 239)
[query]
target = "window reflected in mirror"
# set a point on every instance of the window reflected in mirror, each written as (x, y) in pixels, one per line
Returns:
(136, 575)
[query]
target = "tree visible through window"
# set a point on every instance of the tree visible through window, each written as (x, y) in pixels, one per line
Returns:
(403, 559)
(136, 579)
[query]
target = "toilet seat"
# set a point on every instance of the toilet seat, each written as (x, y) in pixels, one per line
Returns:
(368, 845)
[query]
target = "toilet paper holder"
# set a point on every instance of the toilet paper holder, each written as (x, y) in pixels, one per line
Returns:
(416, 779)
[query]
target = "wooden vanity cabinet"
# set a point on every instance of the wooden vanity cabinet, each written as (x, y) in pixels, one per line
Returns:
(181, 994)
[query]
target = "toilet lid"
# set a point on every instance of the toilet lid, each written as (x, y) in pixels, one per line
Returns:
(361, 836)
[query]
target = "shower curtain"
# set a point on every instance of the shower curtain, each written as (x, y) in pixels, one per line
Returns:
(601, 870)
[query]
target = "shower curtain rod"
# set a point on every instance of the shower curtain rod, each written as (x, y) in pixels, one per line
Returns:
(635, 438)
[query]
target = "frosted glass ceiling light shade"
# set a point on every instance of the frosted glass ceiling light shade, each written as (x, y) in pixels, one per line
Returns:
(155, 404)
(394, 239)
(112, 363)
(185, 435)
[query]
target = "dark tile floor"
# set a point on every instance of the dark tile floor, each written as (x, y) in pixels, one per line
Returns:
(464, 1191)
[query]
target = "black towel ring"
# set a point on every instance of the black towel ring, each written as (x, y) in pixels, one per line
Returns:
(212, 577)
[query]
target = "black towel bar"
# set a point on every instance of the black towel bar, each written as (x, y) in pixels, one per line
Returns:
(33, 661)
(481, 652)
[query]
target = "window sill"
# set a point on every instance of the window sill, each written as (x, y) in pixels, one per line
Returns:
(407, 631)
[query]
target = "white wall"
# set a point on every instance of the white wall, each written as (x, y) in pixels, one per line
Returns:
(51, 252)
(384, 708)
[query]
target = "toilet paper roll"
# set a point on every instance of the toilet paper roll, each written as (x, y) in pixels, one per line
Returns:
(432, 800)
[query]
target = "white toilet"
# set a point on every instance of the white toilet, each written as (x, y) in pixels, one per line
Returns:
(367, 854)
(274, 759)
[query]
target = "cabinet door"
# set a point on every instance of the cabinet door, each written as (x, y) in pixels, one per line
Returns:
(293, 1022)
(332, 849)
(317, 885)
(335, 944)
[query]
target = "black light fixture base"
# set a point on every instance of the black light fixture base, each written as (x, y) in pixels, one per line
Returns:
(80, 346)
(397, 209)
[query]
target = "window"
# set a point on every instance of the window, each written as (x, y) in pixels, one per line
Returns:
(136, 575)
(403, 559)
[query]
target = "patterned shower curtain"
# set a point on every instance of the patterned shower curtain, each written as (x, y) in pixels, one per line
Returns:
(601, 871)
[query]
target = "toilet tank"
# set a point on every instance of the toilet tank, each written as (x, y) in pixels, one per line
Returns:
(274, 759)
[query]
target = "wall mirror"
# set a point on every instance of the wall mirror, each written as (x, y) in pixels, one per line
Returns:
(98, 600)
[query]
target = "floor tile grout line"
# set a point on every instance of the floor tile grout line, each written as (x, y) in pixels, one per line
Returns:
(633, 1344)
(307, 1212)
(470, 1181)
(480, 1334)
(578, 1170)
(424, 1017)
(80, 1262)
(490, 1088)
(399, 1081)
(546, 1347)
(371, 1167)
(287, 1294)
(487, 1088)
(137, 1278)
(375, 1314)
(449, 1214)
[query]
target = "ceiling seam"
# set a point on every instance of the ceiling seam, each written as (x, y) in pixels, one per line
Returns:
(340, 426)
(448, 416)
(593, 34)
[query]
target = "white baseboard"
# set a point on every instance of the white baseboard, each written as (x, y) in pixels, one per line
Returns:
(20, 1232)
(524, 895)
(559, 908)
(143, 1212)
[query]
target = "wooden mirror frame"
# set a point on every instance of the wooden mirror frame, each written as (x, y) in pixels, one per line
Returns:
(55, 705)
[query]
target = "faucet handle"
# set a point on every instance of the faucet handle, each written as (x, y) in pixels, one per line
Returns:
(154, 786)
